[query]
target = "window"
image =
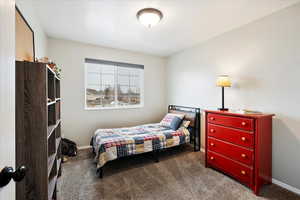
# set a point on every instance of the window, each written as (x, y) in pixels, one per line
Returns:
(113, 85)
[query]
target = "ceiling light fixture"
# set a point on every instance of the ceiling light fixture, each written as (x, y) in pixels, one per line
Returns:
(149, 16)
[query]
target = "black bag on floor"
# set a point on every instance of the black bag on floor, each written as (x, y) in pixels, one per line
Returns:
(69, 148)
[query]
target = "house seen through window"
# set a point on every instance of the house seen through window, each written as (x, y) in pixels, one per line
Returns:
(113, 84)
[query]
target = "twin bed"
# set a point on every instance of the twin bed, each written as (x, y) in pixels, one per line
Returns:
(111, 144)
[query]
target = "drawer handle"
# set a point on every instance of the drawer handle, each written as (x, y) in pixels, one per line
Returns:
(212, 158)
(212, 144)
(243, 138)
(243, 172)
(244, 123)
(212, 118)
(243, 155)
(212, 130)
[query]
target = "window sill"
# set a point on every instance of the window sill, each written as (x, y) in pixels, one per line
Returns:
(115, 108)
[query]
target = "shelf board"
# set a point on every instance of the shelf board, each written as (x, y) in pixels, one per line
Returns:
(51, 103)
(51, 70)
(51, 128)
(58, 122)
(57, 143)
(51, 160)
(51, 187)
(58, 165)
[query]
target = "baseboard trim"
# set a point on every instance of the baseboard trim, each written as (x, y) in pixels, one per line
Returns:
(84, 147)
(286, 186)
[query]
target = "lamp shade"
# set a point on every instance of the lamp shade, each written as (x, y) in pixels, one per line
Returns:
(223, 81)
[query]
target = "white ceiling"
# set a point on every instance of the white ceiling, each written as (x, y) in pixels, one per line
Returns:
(113, 23)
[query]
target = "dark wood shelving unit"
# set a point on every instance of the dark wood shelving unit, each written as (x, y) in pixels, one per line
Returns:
(38, 130)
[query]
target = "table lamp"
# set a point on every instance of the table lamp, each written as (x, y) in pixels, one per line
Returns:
(223, 81)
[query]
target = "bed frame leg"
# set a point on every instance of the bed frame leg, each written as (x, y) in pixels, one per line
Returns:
(100, 171)
(156, 156)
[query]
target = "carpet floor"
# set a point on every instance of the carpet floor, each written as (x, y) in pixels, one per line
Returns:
(180, 175)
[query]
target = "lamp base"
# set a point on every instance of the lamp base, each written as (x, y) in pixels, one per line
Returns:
(223, 109)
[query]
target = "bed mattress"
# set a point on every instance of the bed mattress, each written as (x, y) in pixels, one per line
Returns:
(110, 144)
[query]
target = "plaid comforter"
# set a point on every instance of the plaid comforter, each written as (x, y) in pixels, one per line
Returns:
(110, 144)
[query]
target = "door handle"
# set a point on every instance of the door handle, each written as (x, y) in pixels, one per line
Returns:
(8, 173)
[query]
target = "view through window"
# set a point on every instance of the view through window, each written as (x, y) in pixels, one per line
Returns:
(113, 84)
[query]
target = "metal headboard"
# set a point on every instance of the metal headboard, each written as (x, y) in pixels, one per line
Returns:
(194, 115)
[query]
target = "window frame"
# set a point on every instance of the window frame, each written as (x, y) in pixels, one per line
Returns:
(117, 64)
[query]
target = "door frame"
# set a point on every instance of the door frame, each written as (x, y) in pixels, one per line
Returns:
(7, 92)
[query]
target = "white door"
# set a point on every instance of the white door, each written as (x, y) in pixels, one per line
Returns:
(7, 92)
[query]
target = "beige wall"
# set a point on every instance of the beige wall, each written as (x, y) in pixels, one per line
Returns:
(263, 59)
(79, 124)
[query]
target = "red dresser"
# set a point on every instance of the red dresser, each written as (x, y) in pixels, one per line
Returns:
(240, 145)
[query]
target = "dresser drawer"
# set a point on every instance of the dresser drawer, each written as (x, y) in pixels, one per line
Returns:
(235, 136)
(232, 151)
(235, 122)
(235, 169)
